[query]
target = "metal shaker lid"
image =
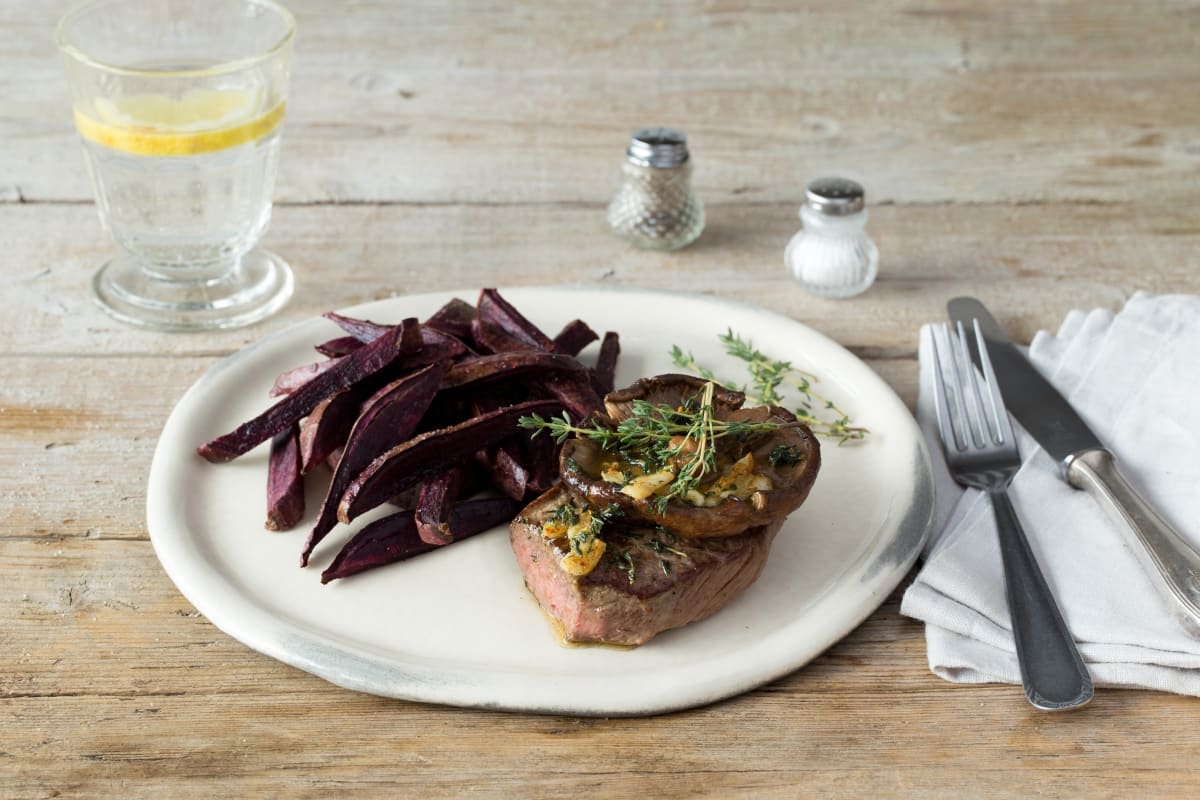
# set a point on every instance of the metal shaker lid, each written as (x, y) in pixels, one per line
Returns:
(835, 197)
(657, 147)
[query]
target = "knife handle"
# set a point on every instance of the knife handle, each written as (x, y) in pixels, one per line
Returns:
(1161, 545)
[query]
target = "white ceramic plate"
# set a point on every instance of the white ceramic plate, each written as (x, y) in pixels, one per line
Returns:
(457, 626)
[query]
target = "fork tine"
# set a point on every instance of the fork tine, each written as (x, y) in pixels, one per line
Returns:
(978, 421)
(940, 401)
(999, 417)
(957, 370)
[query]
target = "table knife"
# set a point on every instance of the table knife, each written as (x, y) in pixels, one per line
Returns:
(1084, 462)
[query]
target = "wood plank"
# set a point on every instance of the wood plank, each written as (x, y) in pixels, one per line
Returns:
(561, 35)
(484, 104)
(1031, 263)
(280, 743)
(76, 440)
(112, 688)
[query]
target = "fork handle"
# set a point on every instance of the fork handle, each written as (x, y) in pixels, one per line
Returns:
(1052, 670)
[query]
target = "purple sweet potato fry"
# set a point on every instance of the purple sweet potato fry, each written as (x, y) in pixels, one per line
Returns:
(308, 433)
(407, 499)
(511, 364)
(391, 415)
(319, 437)
(335, 457)
(485, 402)
(508, 473)
(362, 329)
(439, 343)
(430, 453)
(489, 338)
(367, 414)
(293, 379)
(484, 398)
(540, 458)
(395, 538)
(434, 502)
(340, 346)
(574, 336)
(605, 372)
(325, 429)
(576, 395)
(348, 370)
(453, 318)
(435, 346)
(495, 311)
(285, 487)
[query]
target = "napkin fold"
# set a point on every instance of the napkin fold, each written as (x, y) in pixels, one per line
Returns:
(1134, 377)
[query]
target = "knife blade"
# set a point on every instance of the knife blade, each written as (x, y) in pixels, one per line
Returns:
(1084, 462)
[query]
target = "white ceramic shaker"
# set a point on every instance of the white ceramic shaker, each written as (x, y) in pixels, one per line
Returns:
(832, 255)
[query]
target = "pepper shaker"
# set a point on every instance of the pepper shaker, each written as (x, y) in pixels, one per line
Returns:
(832, 256)
(655, 207)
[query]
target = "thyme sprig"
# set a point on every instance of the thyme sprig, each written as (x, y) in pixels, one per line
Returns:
(658, 435)
(688, 361)
(768, 375)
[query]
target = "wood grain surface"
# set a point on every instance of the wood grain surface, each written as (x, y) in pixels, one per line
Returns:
(1041, 155)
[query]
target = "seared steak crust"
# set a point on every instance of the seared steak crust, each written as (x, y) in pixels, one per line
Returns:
(648, 580)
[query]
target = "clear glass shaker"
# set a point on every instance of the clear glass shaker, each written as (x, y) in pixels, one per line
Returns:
(832, 256)
(655, 207)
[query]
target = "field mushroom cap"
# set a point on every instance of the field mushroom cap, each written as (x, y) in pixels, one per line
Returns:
(581, 463)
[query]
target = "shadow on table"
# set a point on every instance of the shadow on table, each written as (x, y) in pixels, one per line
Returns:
(727, 234)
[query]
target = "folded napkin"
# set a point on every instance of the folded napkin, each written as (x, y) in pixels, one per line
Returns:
(1134, 377)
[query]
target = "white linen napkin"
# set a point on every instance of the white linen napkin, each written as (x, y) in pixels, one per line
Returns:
(1134, 377)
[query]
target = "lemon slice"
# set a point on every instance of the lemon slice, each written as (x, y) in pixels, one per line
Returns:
(200, 121)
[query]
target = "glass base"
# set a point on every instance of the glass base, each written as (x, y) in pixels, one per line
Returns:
(258, 287)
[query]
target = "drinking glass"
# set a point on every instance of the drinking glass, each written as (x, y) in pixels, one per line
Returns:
(179, 105)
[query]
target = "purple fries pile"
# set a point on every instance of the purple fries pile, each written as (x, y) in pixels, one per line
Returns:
(421, 415)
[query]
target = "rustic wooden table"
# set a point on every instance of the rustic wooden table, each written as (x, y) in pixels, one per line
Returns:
(1043, 156)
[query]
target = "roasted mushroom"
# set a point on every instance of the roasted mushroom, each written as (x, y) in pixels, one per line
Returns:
(755, 480)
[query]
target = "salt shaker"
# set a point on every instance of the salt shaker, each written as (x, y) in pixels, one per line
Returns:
(655, 207)
(832, 256)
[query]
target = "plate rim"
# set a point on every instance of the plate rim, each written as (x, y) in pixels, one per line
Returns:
(356, 669)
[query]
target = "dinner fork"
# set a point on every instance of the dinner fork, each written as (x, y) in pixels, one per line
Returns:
(981, 452)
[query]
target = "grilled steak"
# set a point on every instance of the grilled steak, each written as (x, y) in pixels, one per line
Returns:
(616, 554)
(648, 580)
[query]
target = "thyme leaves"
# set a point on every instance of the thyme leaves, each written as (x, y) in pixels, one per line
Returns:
(682, 438)
(786, 455)
(768, 379)
(626, 564)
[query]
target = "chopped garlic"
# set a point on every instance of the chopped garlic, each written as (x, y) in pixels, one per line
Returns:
(590, 552)
(611, 474)
(742, 467)
(738, 480)
(584, 550)
(643, 486)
